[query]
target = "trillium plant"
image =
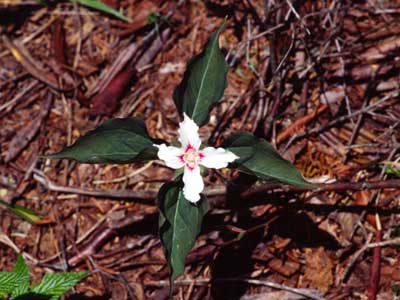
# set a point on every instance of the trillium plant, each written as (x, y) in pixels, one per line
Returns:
(181, 203)
(190, 157)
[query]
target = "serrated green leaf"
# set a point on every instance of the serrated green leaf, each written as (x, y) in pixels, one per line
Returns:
(98, 5)
(22, 270)
(115, 141)
(8, 282)
(23, 212)
(57, 284)
(179, 224)
(203, 83)
(15, 281)
(257, 157)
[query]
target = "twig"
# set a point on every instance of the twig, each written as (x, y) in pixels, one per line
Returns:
(339, 186)
(10, 104)
(40, 177)
(299, 123)
(103, 237)
(375, 269)
(126, 177)
(83, 237)
(321, 128)
(22, 56)
(309, 293)
(368, 245)
(119, 194)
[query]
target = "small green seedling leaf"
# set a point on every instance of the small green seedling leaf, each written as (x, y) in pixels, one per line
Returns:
(55, 285)
(179, 224)
(257, 157)
(23, 212)
(203, 83)
(392, 170)
(115, 141)
(100, 6)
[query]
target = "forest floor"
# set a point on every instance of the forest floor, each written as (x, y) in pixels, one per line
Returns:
(318, 79)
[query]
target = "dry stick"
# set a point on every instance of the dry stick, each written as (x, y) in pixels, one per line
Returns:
(84, 236)
(102, 238)
(40, 177)
(218, 190)
(32, 36)
(321, 128)
(368, 245)
(80, 36)
(27, 133)
(311, 294)
(299, 123)
(126, 177)
(119, 194)
(10, 104)
(23, 57)
(108, 74)
(375, 269)
(354, 259)
(339, 186)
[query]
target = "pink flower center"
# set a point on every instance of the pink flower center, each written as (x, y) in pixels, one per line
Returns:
(191, 157)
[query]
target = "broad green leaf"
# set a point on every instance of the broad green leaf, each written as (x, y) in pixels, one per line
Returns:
(22, 270)
(115, 141)
(23, 212)
(56, 284)
(179, 224)
(203, 83)
(98, 5)
(257, 157)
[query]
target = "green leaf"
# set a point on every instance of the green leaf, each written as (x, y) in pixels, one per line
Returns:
(257, 157)
(98, 5)
(16, 281)
(203, 83)
(115, 141)
(56, 284)
(396, 289)
(22, 270)
(23, 212)
(8, 282)
(179, 224)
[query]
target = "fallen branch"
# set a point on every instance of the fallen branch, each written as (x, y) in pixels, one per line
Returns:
(368, 245)
(103, 236)
(337, 187)
(40, 177)
(375, 269)
(308, 293)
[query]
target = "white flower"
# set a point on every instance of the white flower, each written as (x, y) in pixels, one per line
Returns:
(191, 157)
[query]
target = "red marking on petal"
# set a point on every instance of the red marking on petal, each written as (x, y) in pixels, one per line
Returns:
(201, 155)
(181, 158)
(189, 147)
(190, 168)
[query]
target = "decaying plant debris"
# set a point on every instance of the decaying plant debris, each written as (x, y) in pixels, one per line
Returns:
(318, 79)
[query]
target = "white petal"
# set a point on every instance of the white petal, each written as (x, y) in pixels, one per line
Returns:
(194, 184)
(217, 158)
(171, 156)
(188, 133)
